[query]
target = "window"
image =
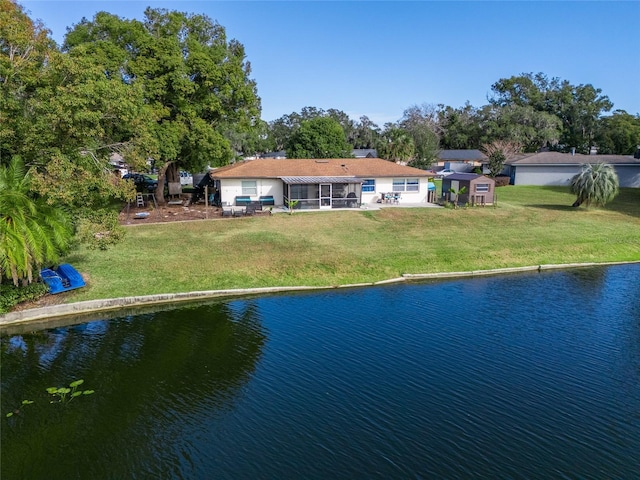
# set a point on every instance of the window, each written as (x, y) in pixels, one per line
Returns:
(406, 185)
(249, 187)
(369, 185)
(398, 184)
(413, 185)
(482, 187)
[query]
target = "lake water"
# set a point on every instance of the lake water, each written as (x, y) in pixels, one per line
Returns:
(522, 376)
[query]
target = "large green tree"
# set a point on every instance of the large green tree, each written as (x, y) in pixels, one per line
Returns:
(64, 117)
(618, 134)
(578, 107)
(395, 145)
(320, 137)
(421, 124)
(195, 80)
(595, 184)
(32, 233)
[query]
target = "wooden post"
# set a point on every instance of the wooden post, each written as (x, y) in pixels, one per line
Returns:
(206, 202)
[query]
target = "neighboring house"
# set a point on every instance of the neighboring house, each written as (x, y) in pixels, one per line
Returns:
(278, 154)
(478, 189)
(321, 183)
(460, 160)
(357, 153)
(555, 168)
(364, 153)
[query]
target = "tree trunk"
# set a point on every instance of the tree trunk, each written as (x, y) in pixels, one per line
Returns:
(161, 181)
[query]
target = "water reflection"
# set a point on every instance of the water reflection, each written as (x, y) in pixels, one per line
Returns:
(154, 376)
(520, 376)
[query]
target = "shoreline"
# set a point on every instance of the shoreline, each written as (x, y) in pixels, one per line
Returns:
(44, 315)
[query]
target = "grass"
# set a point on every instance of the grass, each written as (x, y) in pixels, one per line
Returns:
(530, 226)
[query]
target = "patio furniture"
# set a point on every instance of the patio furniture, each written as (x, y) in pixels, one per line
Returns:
(243, 200)
(227, 211)
(267, 200)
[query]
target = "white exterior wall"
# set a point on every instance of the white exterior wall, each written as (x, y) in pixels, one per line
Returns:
(232, 188)
(385, 185)
(629, 176)
(545, 175)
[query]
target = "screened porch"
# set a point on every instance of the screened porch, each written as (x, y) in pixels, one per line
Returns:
(314, 193)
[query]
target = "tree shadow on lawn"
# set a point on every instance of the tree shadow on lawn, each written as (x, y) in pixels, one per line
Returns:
(627, 202)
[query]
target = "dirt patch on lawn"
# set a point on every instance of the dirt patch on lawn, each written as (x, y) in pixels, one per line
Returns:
(173, 211)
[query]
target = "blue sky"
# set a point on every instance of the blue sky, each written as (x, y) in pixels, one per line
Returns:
(379, 58)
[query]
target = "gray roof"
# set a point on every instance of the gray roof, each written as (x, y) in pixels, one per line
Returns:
(462, 176)
(461, 155)
(305, 180)
(558, 158)
(364, 152)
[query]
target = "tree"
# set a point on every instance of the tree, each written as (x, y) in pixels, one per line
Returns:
(596, 183)
(196, 82)
(499, 151)
(63, 117)
(395, 145)
(421, 124)
(578, 107)
(366, 133)
(32, 233)
(320, 137)
(618, 134)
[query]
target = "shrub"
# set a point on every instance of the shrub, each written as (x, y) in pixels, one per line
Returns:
(502, 180)
(10, 295)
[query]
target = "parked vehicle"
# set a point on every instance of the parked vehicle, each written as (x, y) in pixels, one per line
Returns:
(186, 178)
(142, 181)
(446, 172)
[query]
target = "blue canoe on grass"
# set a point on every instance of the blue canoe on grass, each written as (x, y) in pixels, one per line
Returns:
(63, 278)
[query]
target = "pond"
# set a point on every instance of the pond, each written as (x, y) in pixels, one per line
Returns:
(520, 376)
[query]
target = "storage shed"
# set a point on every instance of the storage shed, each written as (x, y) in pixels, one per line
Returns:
(478, 189)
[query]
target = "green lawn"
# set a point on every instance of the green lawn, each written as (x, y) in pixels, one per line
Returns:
(530, 226)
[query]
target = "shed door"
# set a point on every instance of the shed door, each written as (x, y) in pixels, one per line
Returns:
(455, 185)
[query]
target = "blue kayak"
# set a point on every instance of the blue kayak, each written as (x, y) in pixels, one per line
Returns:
(61, 279)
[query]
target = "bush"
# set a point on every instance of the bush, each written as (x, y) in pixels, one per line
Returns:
(10, 295)
(502, 180)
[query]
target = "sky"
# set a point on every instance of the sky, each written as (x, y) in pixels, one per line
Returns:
(378, 58)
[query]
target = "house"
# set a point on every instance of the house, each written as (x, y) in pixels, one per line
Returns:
(555, 168)
(320, 183)
(364, 153)
(460, 160)
(357, 153)
(478, 189)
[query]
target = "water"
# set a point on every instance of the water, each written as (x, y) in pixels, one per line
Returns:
(521, 376)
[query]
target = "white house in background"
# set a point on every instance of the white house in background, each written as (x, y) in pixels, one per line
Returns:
(555, 168)
(320, 183)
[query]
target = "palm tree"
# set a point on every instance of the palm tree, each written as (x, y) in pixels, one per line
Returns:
(32, 233)
(596, 183)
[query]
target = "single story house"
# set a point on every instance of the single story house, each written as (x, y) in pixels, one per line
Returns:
(460, 160)
(478, 189)
(320, 183)
(555, 168)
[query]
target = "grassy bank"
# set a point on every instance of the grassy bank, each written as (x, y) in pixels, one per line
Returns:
(530, 226)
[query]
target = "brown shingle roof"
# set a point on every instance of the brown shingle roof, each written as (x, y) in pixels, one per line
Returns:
(557, 158)
(329, 167)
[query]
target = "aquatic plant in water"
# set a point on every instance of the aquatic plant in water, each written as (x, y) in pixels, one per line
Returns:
(66, 394)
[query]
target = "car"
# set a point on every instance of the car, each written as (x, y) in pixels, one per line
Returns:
(186, 178)
(446, 172)
(142, 181)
